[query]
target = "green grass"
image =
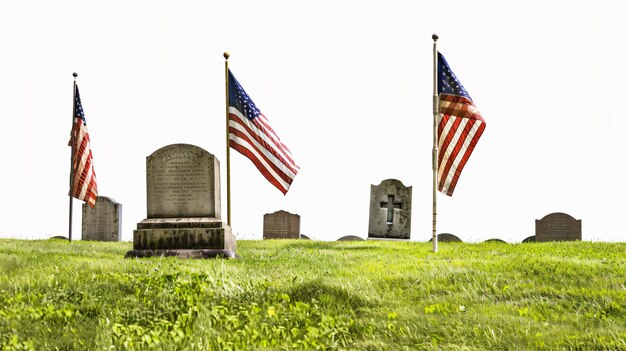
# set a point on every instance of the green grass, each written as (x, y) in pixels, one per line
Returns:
(368, 295)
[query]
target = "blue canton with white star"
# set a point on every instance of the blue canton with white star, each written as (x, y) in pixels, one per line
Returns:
(78, 108)
(448, 83)
(239, 99)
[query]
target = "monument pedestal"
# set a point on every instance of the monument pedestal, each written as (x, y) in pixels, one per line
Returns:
(200, 237)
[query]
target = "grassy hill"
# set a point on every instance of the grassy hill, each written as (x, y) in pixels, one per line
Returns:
(315, 295)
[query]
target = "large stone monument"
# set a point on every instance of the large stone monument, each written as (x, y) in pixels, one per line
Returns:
(104, 221)
(558, 227)
(281, 225)
(390, 210)
(184, 220)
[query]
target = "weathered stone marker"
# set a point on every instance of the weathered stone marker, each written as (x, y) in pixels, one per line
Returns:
(350, 238)
(390, 210)
(447, 238)
(495, 240)
(281, 225)
(183, 193)
(103, 222)
(558, 227)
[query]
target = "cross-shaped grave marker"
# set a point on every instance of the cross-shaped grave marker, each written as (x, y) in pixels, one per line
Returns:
(390, 205)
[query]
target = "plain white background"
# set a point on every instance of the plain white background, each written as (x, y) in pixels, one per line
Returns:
(347, 85)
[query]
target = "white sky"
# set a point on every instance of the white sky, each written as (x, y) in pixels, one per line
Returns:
(348, 87)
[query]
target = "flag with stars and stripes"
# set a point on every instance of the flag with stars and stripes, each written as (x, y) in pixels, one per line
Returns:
(249, 133)
(460, 127)
(84, 178)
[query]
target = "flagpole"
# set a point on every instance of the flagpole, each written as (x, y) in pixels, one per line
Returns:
(226, 56)
(72, 155)
(435, 141)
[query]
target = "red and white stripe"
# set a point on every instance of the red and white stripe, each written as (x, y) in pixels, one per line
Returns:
(84, 178)
(257, 141)
(460, 127)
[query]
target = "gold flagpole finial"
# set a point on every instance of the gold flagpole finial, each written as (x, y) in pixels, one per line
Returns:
(226, 55)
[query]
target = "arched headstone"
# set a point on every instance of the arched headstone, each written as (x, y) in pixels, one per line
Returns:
(350, 238)
(104, 221)
(495, 240)
(558, 227)
(281, 225)
(59, 237)
(447, 238)
(390, 210)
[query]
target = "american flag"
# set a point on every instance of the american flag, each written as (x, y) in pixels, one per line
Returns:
(84, 178)
(249, 133)
(460, 127)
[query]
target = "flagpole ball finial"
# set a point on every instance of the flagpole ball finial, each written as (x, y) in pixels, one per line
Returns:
(226, 55)
(75, 74)
(435, 37)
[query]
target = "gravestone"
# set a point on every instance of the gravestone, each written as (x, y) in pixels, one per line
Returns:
(447, 238)
(558, 227)
(390, 210)
(104, 221)
(183, 207)
(350, 238)
(495, 240)
(281, 225)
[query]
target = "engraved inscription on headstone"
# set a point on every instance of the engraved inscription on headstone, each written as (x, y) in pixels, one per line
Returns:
(558, 227)
(182, 182)
(390, 210)
(104, 221)
(281, 225)
(183, 192)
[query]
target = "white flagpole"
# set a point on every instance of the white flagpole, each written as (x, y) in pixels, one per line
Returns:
(435, 141)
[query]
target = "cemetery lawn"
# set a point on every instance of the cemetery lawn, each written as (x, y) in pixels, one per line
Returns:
(300, 294)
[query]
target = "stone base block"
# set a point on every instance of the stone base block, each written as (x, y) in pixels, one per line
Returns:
(387, 239)
(183, 237)
(182, 253)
